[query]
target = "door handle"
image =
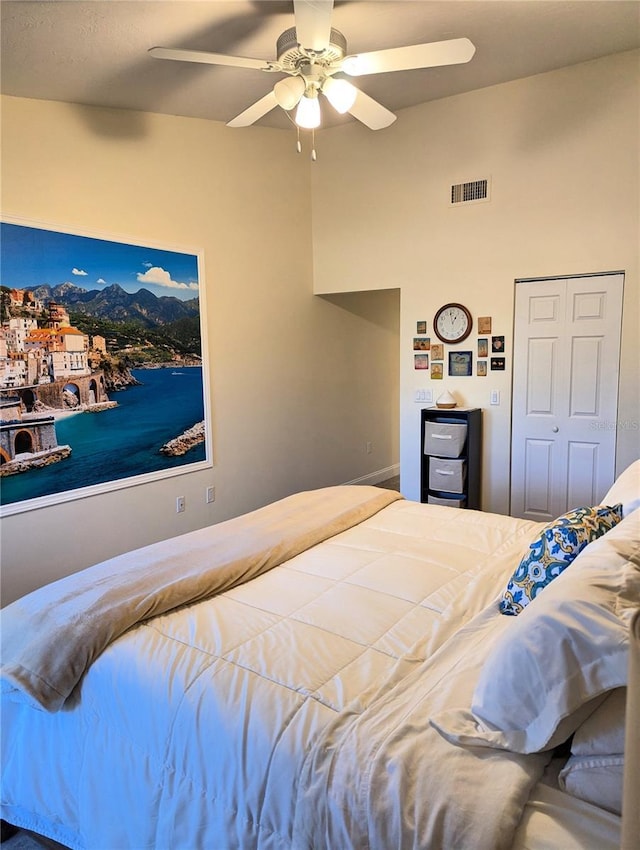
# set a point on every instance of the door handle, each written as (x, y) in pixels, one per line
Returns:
(555, 429)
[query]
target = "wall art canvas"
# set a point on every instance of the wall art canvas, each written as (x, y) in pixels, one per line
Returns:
(103, 378)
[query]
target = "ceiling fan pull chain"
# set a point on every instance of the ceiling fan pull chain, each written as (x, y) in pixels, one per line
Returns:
(298, 143)
(313, 146)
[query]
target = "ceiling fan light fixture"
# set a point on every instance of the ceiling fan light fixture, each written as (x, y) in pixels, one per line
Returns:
(340, 94)
(308, 111)
(289, 91)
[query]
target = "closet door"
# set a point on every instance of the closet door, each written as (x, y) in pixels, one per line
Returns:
(565, 393)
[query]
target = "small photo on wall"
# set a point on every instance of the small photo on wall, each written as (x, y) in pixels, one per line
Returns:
(421, 327)
(436, 371)
(437, 351)
(421, 361)
(497, 364)
(460, 363)
(481, 368)
(483, 347)
(484, 325)
(497, 343)
(421, 343)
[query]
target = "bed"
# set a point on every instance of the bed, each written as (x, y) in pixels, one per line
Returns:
(340, 669)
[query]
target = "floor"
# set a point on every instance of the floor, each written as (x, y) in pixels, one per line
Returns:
(390, 483)
(25, 841)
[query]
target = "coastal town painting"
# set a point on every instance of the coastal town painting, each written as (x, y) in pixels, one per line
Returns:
(102, 365)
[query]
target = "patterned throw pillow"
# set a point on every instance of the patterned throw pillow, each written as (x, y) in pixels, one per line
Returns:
(553, 550)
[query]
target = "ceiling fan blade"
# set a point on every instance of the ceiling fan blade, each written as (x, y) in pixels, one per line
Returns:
(370, 112)
(455, 51)
(313, 23)
(254, 112)
(181, 55)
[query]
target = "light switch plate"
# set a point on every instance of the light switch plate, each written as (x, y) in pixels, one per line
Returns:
(423, 397)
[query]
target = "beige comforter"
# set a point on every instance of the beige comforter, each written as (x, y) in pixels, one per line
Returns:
(51, 637)
(285, 712)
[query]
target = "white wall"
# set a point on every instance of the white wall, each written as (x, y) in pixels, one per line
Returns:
(561, 150)
(299, 384)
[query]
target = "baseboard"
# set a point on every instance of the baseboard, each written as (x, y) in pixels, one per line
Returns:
(377, 476)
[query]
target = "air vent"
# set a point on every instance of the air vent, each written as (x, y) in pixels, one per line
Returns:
(473, 192)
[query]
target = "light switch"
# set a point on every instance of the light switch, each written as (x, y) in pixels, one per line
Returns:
(424, 396)
(495, 396)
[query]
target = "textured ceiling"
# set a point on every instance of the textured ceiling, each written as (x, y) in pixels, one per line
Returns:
(96, 52)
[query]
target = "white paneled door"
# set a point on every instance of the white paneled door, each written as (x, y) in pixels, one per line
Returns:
(565, 393)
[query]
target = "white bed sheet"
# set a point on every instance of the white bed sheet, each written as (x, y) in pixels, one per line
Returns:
(553, 820)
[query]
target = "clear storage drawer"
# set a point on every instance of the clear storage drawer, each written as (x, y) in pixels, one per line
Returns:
(445, 439)
(447, 474)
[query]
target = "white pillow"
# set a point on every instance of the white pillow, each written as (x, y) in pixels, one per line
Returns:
(602, 734)
(626, 489)
(596, 779)
(594, 771)
(566, 649)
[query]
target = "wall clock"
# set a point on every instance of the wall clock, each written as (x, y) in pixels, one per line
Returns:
(452, 323)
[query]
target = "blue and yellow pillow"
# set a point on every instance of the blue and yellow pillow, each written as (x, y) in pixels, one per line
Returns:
(553, 550)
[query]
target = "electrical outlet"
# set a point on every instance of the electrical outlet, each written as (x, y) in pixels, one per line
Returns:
(210, 495)
(179, 504)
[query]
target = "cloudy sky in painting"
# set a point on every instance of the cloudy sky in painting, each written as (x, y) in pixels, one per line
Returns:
(31, 257)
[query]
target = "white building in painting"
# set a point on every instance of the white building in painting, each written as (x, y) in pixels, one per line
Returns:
(32, 354)
(17, 329)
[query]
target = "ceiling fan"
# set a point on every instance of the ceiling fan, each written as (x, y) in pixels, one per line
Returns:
(311, 53)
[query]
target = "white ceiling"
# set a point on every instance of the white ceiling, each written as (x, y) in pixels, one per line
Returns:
(96, 52)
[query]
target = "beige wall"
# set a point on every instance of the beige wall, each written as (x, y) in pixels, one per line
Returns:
(561, 150)
(299, 384)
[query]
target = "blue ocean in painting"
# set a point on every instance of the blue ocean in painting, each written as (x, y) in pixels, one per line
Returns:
(121, 442)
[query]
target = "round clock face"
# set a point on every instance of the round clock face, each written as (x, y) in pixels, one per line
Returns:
(452, 323)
